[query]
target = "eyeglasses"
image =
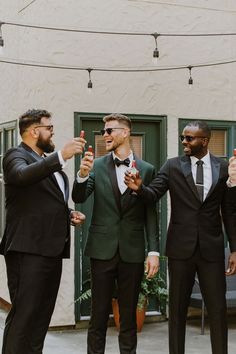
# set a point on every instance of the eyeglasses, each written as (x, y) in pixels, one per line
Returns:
(48, 127)
(108, 130)
(190, 138)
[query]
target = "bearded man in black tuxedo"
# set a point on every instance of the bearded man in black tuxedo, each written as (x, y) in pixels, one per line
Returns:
(37, 232)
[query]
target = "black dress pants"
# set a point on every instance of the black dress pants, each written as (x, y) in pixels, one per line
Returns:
(33, 283)
(212, 282)
(128, 276)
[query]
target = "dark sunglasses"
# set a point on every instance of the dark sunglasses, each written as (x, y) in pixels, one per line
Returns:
(48, 127)
(108, 130)
(190, 138)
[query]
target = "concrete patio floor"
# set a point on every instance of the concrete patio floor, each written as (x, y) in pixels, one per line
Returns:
(152, 339)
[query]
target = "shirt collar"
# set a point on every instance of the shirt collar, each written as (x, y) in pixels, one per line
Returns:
(130, 156)
(205, 159)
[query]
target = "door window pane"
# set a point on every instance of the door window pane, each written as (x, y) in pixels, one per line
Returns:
(218, 143)
(136, 142)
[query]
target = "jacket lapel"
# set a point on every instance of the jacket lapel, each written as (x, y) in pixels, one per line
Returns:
(127, 197)
(65, 183)
(51, 178)
(185, 164)
(112, 175)
(215, 170)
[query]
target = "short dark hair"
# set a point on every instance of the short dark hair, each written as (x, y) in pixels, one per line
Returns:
(118, 117)
(202, 126)
(32, 116)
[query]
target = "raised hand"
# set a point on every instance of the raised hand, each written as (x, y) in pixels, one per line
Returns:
(86, 164)
(132, 181)
(73, 147)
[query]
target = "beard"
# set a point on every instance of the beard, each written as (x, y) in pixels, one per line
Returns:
(45, 145)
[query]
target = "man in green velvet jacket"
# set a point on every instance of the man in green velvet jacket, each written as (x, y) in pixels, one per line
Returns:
(122, 225)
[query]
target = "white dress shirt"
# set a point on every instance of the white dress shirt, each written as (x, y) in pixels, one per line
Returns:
(207, 172)
(120, 172)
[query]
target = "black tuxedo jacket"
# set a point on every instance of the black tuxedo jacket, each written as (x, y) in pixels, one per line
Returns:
(118, 221)
(37, 215)
(191, 220)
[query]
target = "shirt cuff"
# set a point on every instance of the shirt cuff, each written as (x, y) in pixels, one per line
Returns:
(61, 160)
(230, 184)
(81, 179)
(153, 253)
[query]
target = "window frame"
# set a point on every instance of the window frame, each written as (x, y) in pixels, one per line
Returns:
(4, 130)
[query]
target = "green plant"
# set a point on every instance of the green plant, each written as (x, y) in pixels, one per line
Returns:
(153, 287)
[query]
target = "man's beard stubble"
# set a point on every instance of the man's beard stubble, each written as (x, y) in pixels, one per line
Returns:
(45, 145)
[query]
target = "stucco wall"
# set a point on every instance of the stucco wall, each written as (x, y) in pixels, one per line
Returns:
(65, 91)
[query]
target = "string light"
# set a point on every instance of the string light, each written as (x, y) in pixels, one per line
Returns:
(190, 80)
(90, 84)
(155, 34)
(156, 51)
(1, 39)
(89, 70)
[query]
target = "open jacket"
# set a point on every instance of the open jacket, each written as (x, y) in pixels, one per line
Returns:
(191, 220)
(119, 222)
(37, 215)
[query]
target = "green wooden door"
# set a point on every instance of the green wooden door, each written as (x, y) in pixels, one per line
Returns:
(148, 140)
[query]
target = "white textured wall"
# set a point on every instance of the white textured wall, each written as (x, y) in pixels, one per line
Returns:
(63, 91)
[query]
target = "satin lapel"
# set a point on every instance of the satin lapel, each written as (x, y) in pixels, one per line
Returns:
(215, 170)
(66, 185)
(113, 178)
(138, 164)
(128, 193)
(185, 164)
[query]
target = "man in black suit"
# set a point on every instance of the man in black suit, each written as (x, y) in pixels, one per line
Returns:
(195, 241)
(116, 239)
(37, 232)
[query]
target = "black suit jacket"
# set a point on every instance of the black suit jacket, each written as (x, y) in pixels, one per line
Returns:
(191, 220)
(118, 222)
(37, 215)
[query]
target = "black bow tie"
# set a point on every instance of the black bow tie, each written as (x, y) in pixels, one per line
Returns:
(118, 162)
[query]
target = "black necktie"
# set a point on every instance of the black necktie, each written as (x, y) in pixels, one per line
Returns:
(199, 179)
(118, 162)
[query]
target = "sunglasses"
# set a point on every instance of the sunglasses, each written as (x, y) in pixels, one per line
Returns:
(190, 138)
(108, 130)
(48, 127)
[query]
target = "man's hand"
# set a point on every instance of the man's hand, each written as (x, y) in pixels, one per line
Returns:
(231, 264)
(232, 169)
(76, 218)
(73, 147)
(86, 164)
(132, 181)
(152, 266)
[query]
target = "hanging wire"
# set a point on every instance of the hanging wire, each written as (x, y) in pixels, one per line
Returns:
(26, 6)
(119, 33)
(128, 70)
